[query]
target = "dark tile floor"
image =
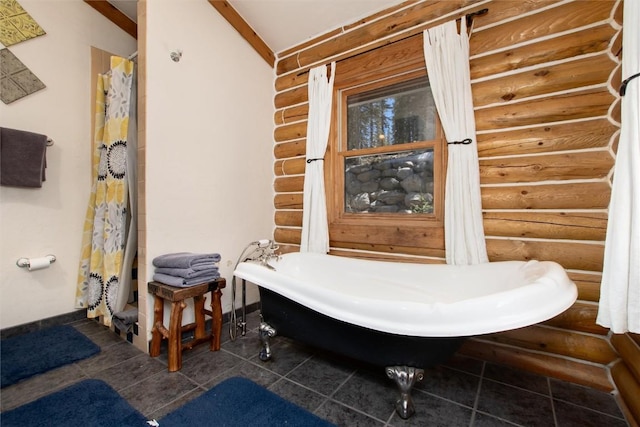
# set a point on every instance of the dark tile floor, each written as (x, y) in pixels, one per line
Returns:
(464, 392)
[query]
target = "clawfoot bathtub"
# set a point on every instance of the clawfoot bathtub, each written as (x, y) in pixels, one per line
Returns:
(400, 316)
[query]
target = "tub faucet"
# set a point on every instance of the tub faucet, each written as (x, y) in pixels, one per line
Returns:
(264, 252)
(269, 253)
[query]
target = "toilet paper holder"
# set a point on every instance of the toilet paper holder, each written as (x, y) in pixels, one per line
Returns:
(26, 263)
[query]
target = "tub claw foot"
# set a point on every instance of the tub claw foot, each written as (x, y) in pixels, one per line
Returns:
(266, 332)
(405, 377)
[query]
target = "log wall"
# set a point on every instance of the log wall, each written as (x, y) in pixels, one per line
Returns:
(626, 372)
(544, 75)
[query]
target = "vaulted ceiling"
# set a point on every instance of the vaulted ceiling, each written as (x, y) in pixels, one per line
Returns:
(270, 26)
(286, 23)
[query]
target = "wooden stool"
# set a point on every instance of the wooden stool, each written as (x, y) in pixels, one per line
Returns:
(177, 296)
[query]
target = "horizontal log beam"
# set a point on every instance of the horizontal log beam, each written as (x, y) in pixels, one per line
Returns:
(562, 368)
(295, 166)
(291, 114)
(570, 255)
(376, 251)
(546, 138)
(289, 184)
(549, 167)
(288, 201)
(554, 225)
(293, 96)
(588, 285)
(384, 256)
(509, 9)
(545, 79)
(564, 17)
(289, 149)
(290, 132)
(581, 316)
(544, 364)
(586, 41)
(289, 218)
(559, 342)
(584, 195)
(287, 235)
(287, 248)
(556, 108)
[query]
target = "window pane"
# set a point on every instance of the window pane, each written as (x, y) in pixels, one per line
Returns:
(397, 114)
(390, 183)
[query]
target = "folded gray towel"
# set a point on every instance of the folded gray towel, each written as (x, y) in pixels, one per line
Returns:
(22, 158)
(181, 282)
(124, 320)
(197, 266)
(129, 316)
(185, 260)
(188, 273)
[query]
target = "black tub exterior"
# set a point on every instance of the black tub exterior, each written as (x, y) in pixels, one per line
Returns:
(293, 320)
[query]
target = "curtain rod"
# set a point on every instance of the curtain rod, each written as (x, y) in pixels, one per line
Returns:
(468, 16)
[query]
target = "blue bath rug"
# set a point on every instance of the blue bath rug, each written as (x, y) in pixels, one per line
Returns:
(241, 402)
(24, 356)
(89, 403)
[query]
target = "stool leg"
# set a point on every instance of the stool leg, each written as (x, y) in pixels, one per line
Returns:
(216, 319)
(198, 306)
(156, 335)
(175, 336)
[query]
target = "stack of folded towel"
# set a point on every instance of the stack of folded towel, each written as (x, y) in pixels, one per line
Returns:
(124, 320)
(184, 269)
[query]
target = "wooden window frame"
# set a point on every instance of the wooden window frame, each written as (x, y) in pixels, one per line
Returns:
(381, 232)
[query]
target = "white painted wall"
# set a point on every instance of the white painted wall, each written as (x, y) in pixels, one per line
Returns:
(209, 146)
(36, 222)
(209, 140)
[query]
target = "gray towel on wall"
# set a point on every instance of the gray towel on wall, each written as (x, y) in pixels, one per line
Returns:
(22, 158)
(181, 282)
(185, 260)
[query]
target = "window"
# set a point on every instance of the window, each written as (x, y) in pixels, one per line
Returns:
(392, 115)
(387, 160)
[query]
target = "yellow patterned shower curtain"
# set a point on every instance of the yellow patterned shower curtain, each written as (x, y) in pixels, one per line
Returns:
(104, 234)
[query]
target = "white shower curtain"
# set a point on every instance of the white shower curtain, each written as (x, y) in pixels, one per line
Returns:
(447, 58)
(315, 230)
(619, 307)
